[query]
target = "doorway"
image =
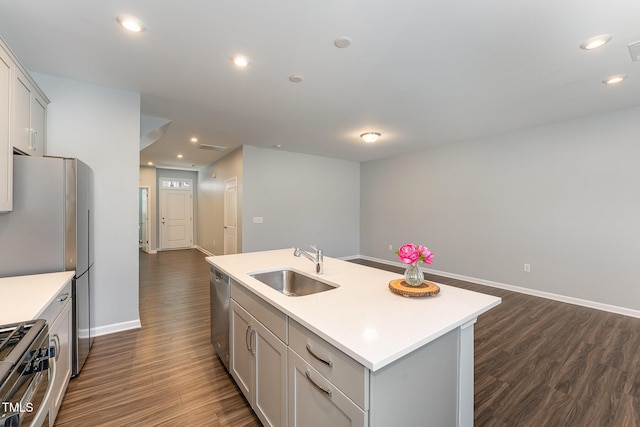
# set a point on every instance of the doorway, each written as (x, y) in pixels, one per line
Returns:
(143, 218)
(176, 213)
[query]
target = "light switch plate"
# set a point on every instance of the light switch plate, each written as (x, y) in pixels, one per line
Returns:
(257, 220)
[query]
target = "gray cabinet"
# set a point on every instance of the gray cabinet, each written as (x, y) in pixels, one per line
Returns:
(6, 159)
(316, 402)
(259, 357)
(58, 317)
(23, 120)
(29, 117)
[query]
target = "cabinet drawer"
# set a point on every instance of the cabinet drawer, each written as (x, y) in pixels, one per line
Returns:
(347, 374)
(269, 316)
(55, 307)
(314, 401)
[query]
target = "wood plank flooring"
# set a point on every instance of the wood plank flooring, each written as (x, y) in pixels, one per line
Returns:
(537, 362)
(166, 373)
(546, 363)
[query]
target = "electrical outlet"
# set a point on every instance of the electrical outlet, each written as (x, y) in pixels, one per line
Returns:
(527, 268)
(390, 247)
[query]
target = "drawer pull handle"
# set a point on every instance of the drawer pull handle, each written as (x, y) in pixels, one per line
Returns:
(329, 363)
(247, 338)
(63, 297)
(327, 391)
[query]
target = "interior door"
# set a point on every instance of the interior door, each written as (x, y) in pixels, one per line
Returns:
(231, 216)
(176, 222)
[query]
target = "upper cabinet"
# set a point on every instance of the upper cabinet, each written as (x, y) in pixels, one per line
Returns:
(6, 159)
(23, 120)
(29, 117)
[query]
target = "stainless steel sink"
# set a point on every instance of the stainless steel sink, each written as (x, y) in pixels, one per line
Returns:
(291, 283)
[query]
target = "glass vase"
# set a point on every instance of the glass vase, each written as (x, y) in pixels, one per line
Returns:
(413, 276)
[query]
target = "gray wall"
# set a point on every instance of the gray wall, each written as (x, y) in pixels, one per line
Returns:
(303, 200)
(101, 126)
(564, 198)
(211, 202)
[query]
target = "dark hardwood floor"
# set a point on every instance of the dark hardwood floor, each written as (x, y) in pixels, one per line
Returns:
(537, 362)
(166, 373)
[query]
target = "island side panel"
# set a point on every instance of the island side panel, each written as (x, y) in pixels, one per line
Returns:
(466, 378)
(420, 389)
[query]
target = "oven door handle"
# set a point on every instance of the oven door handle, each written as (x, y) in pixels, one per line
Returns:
(43, 410)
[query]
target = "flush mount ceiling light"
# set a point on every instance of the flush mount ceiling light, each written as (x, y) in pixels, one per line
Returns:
(595, 42)
(614, 79)
(370, 137)
(131, 23)
(240, 61)
(295, 78)
(194, 139)
(342, 42)
(179, 156)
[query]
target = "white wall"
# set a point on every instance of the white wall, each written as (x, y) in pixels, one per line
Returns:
(303, 200)
(564, 198)
(101, 126)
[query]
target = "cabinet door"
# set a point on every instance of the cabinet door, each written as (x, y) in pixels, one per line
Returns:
(315, 402)
(38, 126)
(60, 339)
(21, 123)
(271, 377)
(242, 366)
(6, 158)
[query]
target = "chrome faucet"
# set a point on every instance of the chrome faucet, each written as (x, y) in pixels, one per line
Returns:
(317, 259)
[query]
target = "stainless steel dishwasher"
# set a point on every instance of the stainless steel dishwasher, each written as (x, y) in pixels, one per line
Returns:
(220, 294)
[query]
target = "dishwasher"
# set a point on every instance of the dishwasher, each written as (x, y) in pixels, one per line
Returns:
(220, 294)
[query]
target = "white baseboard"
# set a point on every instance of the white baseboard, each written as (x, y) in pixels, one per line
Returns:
(116, 327)
(204, 251)
(548, 295)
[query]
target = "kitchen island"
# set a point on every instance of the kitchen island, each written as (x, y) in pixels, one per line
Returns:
(409, 360)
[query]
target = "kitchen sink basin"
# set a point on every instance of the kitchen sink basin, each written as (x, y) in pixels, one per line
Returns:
(291, 283)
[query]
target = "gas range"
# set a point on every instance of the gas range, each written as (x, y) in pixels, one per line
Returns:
(24, 373)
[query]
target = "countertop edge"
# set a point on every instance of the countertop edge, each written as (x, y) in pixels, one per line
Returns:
(374, 364)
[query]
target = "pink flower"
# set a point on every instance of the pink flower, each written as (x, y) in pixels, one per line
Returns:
(409, 253)
(426, 254)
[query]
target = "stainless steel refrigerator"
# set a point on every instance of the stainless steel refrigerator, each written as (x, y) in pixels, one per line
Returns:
(51, 229)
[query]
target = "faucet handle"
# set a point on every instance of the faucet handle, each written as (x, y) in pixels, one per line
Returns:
(314, 247)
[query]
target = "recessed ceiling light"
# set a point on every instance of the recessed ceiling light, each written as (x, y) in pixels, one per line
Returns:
(150, 163)
(370, 137)
(240, 61)
(614, 79)
(595, 42)
(180, 156)
(278, 145)
(194, 139)
(295, 78)
(131, 23)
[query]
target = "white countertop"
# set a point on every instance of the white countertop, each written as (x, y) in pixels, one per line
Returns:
(26, 297)
(362, 317)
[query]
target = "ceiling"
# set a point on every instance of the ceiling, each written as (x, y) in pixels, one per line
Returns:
(422, 73)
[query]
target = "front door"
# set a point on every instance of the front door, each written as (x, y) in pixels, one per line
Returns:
(176, 207)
